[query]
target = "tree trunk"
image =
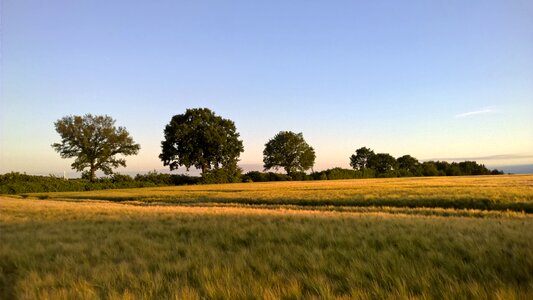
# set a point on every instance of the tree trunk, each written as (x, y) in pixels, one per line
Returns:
(93, 173)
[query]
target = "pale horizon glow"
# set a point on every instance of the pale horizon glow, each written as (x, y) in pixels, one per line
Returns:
(437, 79)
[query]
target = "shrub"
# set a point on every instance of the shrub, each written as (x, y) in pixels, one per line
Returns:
(227, 174)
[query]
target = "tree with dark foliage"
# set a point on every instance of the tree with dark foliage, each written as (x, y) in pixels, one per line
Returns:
(95, 142)
(383, 163)
(409, 166)
(289, 151)
(201, 139)
(359, 160)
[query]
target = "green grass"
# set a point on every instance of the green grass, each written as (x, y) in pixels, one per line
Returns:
(159, 248)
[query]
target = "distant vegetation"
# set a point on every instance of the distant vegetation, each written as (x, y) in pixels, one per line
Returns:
(17, 183)
(201, 139)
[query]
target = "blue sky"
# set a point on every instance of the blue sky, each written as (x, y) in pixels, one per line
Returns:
(434, 79)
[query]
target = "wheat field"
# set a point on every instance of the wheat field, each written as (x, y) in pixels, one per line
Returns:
(205, 242)
(502, 193)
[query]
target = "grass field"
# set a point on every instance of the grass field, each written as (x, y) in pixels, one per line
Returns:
(475, 192)
(292, 240)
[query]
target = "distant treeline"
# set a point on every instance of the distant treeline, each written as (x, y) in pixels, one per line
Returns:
(430, 168)
(17, 183)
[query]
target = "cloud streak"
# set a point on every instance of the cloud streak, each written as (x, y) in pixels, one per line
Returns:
(484, 111)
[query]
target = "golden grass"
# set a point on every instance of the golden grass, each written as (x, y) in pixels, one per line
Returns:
(513, 192)
(348, 239)
(504, 186)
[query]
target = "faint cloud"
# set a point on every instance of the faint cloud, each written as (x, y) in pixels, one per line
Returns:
(484, 111)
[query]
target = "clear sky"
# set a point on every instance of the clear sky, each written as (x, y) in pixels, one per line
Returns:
(447, 79)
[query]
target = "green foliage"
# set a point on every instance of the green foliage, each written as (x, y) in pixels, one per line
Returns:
(121, 178)
(300, 176)
(256, 176)
(336, 173)
(228, 174)
(95, 142)
(384, 164)
(201, 139)
(155, 178)
(409, 166)
(289, 151)
(359, 160)
(429, 169)
(473, 168)
(17, 183)
(162, 179)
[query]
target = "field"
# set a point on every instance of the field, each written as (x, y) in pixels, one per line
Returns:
(464, 237)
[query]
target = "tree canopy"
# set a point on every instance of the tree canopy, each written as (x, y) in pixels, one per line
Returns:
(382, 163)
(289, 151)
(409, 166)
(95, 142)
(359, 160)
(201, 139)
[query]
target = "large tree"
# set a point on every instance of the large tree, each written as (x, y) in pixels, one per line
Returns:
(409, 165)
(201, 139)
(359, 160)
(383, 164)
(95, 142)
(289, 151)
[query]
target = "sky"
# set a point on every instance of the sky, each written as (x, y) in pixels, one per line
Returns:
(446, 79)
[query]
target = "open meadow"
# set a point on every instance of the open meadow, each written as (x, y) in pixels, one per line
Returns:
(452, 237)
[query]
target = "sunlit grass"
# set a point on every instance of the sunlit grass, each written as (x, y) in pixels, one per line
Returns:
(475, 192)
(352, 239)
(93, 250)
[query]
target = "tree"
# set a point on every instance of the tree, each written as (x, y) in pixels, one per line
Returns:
(201, 139)
(473, 168)
(410, 165)
(429, 168)
(289, 151)
(359, 160)
(383, 164)
(95, 142)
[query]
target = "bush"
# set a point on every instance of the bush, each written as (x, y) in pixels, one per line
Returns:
(154, 178)
(300, 176)
(119, 178)
(227, 174)
(177, 179)
(278, 177)
(339, 173)
(256, 176)
(17, 183)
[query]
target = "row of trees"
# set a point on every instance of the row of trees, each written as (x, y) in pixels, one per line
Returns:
(385, 165)
(201, 139)
(198, 138)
